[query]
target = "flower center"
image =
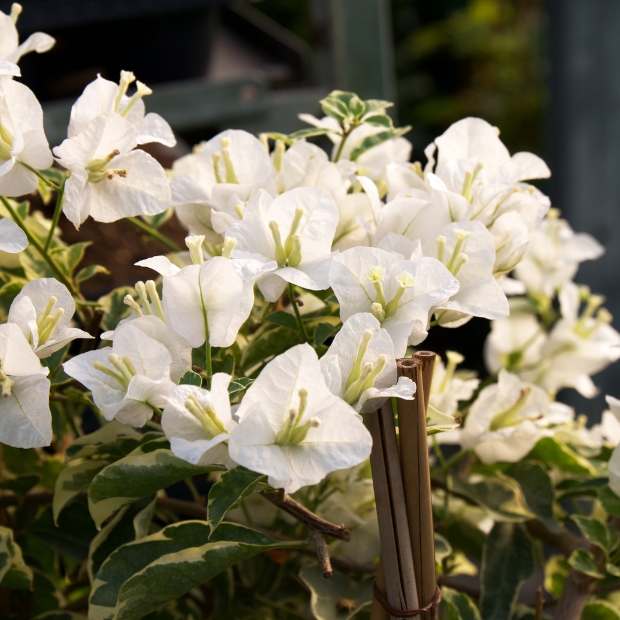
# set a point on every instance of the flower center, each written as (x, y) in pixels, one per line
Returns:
(97, 170)
(511, 417)
(122, 370)
(224, 158)
(457, 259)
(48, 320)
(293, 431)
(149, 300)
(454, 359)
(379, 308)
(205, 414)
(288, 254)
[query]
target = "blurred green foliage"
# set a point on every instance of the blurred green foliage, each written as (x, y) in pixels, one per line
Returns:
(457, 58)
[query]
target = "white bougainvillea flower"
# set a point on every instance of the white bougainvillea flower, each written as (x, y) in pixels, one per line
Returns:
(451, 385)
(110, 180)
(103, 97)
(156, 328)
(212, 186)
(12, 238)
(206, 301)
(475, 140)
(607, 433)
(360, 366)
(554, 255)
(306, 165)
(508, 418)
(25, 418)
(197, 422)
(579, 345)
(43, 310)
(292, 428)
(23, 145)
(399, 293)
(614, 471)
(295, 231)
(128, 379)
(511, 239)
(10, 48)
(515, 343)
(468, 252)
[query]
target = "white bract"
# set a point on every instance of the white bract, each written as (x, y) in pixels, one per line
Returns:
(212, 186)
(554, 255)
(292, 428)
(23, 146)
(399, 293)
(468, 252)
(12, 238)
(508, 418)
(360, 366)
(103, 97)
(198, 422)
(295, 231)
(128, 379)
(25, 417)
(10, 48)
(451, 386)
(43, 311)
(109, 180)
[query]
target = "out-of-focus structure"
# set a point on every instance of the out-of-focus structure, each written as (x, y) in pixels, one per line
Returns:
(215, 63)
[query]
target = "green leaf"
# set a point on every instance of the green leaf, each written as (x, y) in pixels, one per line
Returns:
(600, 610)
(34, 266)
(374, 140)
(379, 120)
(508, 562)
(158, 220)
(60, 615)
(282, 318)
(443, 548)
(237, 386)
(146, 574)
(556, 570)
(14, 573)
(228, 492)
(114, 308)
(224, 362)
(610, 501)
(191, 378)
(333, 106)
(598, 533)
(89, 272)
(613, 570)
(323, 331)
(137, 476)
(268, 342)
(337, 598)
(458, 606)
(72, 481)
(372, 105)
(20, 485)
(500, 497)
(72, 256)
(307, 133)
(110, 432)
(584, 562)
(129, 524)
(553, 452)
(537, 490)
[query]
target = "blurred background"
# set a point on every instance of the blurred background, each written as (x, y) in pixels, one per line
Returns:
(546, 72)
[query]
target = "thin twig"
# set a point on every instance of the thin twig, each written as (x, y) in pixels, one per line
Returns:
(322, 553)
(538, 606)
(307, 517)
(154, 234)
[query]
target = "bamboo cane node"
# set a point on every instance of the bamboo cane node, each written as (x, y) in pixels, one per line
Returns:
(407, 613)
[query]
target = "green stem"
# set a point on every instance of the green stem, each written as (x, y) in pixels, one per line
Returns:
(450, 463)
(56, 217)
(39, 176)
(302, 327)
(154, 234)
(209, 363)
(32, 241)
(345, 135)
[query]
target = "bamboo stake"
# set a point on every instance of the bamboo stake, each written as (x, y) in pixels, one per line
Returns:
(380, 483)
(416, 473)
(396, 576)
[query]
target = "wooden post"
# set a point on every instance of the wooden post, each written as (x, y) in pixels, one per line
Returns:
(416, 473)
(396, 577)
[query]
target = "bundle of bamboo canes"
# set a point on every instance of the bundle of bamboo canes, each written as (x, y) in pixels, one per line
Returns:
(406, 584)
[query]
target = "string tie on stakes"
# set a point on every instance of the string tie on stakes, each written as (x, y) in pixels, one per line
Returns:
(407, 613)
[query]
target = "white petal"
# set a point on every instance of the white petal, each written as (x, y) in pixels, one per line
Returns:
(12, 237)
